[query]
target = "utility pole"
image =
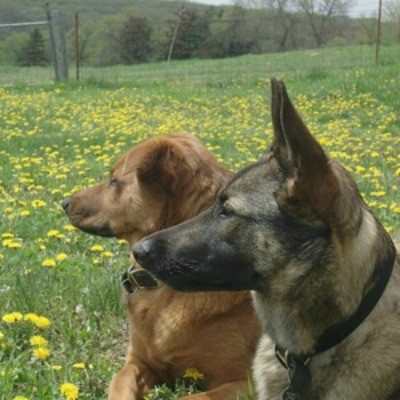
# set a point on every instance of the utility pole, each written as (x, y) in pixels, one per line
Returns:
(77, 52)
(171, 48)
(378, 32)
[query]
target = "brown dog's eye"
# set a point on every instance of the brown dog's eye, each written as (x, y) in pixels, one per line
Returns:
(113, 181)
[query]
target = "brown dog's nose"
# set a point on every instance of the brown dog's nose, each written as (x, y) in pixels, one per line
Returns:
(65, 203)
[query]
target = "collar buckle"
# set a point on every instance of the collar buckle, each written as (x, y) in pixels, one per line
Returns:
(138, 279)
(287, 359)
(299, 374)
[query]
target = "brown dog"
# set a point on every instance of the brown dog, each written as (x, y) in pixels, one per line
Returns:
(155, 185)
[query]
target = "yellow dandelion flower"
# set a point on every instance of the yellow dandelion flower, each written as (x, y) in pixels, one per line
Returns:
(31, 317)
(12, 243)
(38, 341)
(69, 391)
(42, 353)
(20, 398)
(49, 262)
(12, 317)
(10, 235)
(56, 367)
(380, 193)
(55, 234)
(79, 365)
(193, 373)
(42, 322)
(97, 247)
(106, 254)
(25, 213)
(38, 203)
(61, 257)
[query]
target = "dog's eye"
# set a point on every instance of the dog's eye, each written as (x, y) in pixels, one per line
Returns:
(113, 181)
(224, 212)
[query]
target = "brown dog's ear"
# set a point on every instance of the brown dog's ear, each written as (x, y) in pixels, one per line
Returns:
(163, 164)
(310, 178)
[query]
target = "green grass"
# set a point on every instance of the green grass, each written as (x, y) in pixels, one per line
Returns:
(214, 73)
(47, 130)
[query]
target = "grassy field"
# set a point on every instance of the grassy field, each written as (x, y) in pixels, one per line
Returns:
(213, 73)
(61, 316)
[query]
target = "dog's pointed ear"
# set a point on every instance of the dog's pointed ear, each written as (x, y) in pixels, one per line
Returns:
(276, 108)
(310, 177)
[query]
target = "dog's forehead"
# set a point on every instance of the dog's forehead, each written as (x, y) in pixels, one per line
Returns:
(260, 176)
(124, 164)
(252, 186)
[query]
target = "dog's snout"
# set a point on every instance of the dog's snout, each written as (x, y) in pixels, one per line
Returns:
(65, 203)
(141, 250)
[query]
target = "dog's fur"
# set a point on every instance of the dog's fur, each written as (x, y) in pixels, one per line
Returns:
(294, 229)
(157, 184)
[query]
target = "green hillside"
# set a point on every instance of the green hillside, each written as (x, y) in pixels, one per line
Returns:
(203, 31)
(27, 10)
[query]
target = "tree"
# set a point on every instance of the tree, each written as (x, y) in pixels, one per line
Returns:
(319, 13)
(282, 10)
(134, 41)
(9, 13)
(367, 30)
(392, 11)
(34, 52)
(187, 34)
(237, 38)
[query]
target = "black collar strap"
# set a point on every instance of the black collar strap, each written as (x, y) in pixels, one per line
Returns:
(137, 279)
(299, 374)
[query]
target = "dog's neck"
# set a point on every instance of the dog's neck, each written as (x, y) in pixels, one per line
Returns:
(332, 296)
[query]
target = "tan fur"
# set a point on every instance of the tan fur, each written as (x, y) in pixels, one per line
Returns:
(160, 183)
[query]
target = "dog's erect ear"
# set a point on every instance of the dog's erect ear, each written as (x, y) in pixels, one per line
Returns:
(310, 178)
(280, 146)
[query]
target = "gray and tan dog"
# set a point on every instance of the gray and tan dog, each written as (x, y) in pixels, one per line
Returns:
(294, 228)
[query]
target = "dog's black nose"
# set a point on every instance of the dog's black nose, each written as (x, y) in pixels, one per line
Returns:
(141, 250)
(65, 203)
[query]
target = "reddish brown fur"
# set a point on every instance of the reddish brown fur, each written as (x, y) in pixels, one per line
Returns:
(160, 183)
